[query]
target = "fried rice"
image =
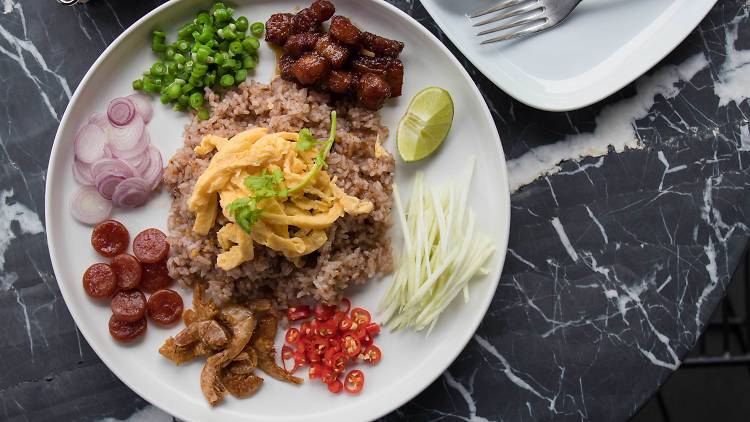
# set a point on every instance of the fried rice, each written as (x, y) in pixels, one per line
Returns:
(357, 249)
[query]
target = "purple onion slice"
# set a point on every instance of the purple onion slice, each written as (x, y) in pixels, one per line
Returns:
(125, 140)
(154, 171)
(142, 105)
(82, 173)
(88, 207)
(90, 143)
(131, 193)
(121, 111)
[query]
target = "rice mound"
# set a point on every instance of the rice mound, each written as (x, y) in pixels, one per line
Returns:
(357, 248)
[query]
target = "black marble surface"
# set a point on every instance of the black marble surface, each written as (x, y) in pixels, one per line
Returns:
(615, 263)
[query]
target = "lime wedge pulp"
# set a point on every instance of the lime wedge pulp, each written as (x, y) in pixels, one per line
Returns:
(425, 125)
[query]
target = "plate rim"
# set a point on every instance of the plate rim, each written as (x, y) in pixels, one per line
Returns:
(579, 98)
(444, 361)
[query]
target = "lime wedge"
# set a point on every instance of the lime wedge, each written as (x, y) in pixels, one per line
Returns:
(425, 125)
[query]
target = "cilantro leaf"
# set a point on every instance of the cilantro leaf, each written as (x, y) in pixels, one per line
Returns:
(305, 140)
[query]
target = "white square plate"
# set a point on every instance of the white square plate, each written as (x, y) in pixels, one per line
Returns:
(601, 47)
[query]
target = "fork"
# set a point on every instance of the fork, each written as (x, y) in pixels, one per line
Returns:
(521, 18)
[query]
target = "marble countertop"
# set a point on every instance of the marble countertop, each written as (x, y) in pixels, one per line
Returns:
(629, 218)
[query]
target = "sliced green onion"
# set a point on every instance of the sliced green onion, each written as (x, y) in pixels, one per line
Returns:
(240, 76)
(196, 100)
(250, 44)
(227, 80)
(138, 85)
(203, 114)
(235, 47)
(257, 29)
(248, 62)
(241, 24)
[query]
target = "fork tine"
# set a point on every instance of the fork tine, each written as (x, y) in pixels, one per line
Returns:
(510, 25)
(518, 34)
(500, 6)
(517, 12)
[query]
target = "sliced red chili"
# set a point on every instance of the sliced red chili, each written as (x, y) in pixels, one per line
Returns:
(324, 312)
(300, 359)
(306, 329)
(337, 317)
(345, 305)
(338, 362)
(350, 345)
(346, 324)
(298, 312)
(361, 316)
(315, 371)
(327, 329)
(286, 352)
(354, 381)
(327, 375)
(371, 354)
(372, 329)
(292, 335)
(287, 358)
(335, 386)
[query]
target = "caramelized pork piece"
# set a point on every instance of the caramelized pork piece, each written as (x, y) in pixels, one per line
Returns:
(263, 343)
(344, 31)
(299, 44)
(336, 53)
(286, 63)
(310, 18)
(279, 27)
(322, 10)
(390, 69)
(340, 81)
(381, 46)
(372, 91)
(241, 386)
(310, 68)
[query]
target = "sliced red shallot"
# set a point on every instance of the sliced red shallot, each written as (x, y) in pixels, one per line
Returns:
(107, 183)
(82, 173)
(100, 120)
(142, 105)
(121, 111)
(89, 143)
(124, 141)
(140, 162)
(108, 173)
(155, 169)
(131, 193)
(88, 207)
(132, 150)
(112, 166)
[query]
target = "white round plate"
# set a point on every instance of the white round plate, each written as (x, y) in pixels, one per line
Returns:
(410, 361)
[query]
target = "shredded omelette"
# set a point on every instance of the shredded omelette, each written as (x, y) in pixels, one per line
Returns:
(294, 225)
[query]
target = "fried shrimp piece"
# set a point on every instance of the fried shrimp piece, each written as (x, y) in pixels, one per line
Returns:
(263, 342)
